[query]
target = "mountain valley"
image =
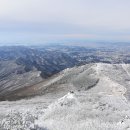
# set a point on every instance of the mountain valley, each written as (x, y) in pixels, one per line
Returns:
(72, 94)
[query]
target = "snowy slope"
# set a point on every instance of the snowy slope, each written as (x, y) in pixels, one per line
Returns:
(89, 97)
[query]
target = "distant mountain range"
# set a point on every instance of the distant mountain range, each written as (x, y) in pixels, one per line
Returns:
(22, 66)
(64, 87)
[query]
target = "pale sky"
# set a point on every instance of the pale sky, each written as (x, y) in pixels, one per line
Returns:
(37, 21)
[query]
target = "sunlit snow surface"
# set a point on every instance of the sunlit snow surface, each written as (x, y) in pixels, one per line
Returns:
(102, 107)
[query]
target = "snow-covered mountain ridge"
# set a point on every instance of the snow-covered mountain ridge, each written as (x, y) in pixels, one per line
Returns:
(89, 97)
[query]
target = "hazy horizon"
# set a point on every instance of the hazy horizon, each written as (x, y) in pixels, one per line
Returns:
(46, 21)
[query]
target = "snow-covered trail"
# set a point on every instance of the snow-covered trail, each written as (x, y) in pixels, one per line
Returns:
(125, 66)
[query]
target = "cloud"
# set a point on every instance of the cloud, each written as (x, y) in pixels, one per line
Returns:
(54, 17)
